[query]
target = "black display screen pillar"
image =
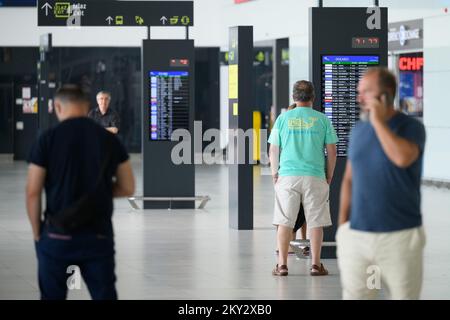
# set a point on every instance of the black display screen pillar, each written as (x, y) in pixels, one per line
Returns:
(168, 104)
(343, 43)
(240, 118)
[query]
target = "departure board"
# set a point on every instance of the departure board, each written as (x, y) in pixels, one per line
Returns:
(340, 77)
(169, 103)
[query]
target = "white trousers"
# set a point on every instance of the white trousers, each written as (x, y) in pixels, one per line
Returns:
(369, 261)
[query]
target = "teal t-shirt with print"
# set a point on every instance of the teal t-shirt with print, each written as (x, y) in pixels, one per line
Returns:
(302, 134)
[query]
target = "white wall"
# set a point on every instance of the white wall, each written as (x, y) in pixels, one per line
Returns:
(436, 103)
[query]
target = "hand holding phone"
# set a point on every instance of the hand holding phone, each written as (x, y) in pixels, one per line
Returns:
(378, 108)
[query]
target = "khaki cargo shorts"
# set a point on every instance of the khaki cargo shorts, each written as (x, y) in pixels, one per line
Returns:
(312, 192)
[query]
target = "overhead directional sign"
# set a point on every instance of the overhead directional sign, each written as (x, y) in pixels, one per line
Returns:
(100, 13)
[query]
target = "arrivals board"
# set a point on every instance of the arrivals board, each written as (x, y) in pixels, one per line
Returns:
(340, 77)
(169, 103)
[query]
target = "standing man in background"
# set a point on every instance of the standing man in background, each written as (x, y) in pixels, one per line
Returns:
(104, 115)
(297, 143)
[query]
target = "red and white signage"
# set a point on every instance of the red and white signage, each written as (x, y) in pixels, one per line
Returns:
(410, 63)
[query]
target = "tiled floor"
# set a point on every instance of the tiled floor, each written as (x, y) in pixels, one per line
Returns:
(192, 254)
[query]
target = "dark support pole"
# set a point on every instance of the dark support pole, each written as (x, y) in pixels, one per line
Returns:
(162, 177)
(187, 33)
(240, 97)
(320, 3)
(376, 3)
(148, 33)
(281, 75)
(43, 75)
(329, 36)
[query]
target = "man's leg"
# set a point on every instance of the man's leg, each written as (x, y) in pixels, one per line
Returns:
(98, 266)
(291, 249)
(100, 278)
(52, 275)
(287, 204)
(316, 244)
(284, 236)
(317, 213)
(354, 252)
(400, 258)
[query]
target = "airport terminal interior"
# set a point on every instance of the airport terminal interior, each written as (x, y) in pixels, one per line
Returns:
(205, 230)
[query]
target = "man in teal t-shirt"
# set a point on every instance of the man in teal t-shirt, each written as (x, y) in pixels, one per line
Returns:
(297, 159)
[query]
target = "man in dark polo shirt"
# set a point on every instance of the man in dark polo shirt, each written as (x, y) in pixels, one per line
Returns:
(75, 160)
(380, 240)
(104, 115)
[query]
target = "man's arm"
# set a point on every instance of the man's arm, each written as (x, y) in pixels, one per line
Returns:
(112, 130)
(274, 155)
(331, 161)
(346, 195)
(400, 151)
(115, 123)
(35, 185)
(124, 184)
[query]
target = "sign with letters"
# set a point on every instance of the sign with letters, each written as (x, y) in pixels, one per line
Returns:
(98, 13)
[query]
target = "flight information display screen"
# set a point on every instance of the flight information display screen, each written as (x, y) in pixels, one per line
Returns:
(169, 103)
(340, 77)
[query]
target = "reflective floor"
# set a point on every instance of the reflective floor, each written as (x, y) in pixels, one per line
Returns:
(192, 254)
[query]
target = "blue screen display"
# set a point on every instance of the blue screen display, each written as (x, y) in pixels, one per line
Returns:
(169, 73)
(169, 103)
(351, 59)
(339, 87)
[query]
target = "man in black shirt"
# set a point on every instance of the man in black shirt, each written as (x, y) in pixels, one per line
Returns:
(71, 160)
(104, 115)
